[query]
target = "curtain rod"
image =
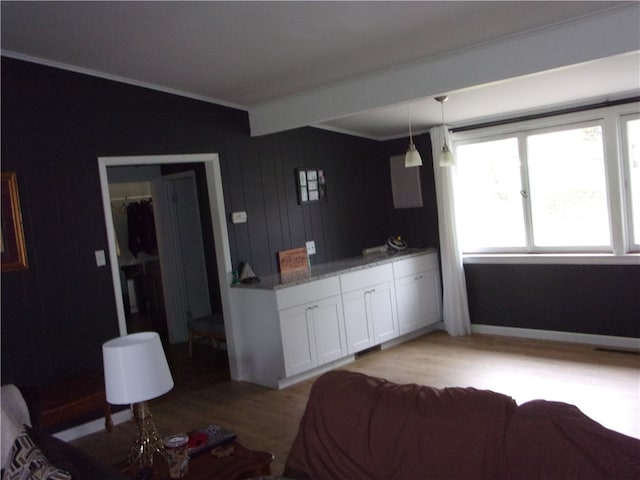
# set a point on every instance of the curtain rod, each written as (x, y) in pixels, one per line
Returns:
(535, 116)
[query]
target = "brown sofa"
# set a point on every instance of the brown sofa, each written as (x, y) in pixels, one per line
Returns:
(359, 427)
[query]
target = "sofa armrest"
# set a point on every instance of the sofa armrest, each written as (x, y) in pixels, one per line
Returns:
(556, 440)
(80, 464)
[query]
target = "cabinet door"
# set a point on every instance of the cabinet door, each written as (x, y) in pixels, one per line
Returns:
(297, 340)
(381, 308)
(358, 326)
(418, 298)
(328, 329)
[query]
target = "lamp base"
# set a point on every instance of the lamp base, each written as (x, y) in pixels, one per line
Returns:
(147, 442)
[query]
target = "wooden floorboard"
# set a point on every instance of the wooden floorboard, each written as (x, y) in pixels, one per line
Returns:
(604, 385)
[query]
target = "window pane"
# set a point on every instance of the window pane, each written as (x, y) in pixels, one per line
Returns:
(633, 155)
(568, 189)
(488, 200)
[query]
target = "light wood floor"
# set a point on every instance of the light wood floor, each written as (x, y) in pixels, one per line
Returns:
(604, 385)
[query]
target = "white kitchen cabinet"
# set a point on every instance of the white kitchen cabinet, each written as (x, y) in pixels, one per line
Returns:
(312, 330)
(417, 285)
(297, 340)
(284, 334)
(382, 307)
(312, 335)
(358, 326)
(369, 303)
(327, 323)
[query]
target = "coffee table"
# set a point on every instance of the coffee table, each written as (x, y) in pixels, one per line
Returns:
(235, 463)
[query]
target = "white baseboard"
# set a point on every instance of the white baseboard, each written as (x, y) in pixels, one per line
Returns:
(94, 426)
(629, 343)
(287, 382)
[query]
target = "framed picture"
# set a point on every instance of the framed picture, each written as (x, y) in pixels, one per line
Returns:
(312, 186)
(12, 247)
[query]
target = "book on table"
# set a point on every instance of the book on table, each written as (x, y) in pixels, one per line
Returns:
(208, 438)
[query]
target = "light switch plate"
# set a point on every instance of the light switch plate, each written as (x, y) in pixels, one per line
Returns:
(311, 248)
(101, 260)
(239, 217)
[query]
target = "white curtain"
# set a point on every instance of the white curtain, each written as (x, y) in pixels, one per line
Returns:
(455, 307)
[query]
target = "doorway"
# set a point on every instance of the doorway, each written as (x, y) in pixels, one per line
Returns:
(213, 182)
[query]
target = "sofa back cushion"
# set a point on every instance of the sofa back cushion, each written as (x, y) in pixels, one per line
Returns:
(357, 427)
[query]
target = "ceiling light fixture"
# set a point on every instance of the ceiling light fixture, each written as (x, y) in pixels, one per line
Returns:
(412, 157)
(446, 156)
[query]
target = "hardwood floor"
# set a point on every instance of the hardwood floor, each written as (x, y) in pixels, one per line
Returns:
(604, 385)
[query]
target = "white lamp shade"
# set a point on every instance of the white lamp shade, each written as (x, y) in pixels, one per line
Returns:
(412, 157)
(135, 368)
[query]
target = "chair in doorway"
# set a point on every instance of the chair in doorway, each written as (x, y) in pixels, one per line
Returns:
(211, 326)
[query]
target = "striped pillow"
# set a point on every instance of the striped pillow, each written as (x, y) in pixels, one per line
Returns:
(28, 462)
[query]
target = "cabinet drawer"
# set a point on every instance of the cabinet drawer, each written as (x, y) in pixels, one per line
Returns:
(368, 276)
(411, 266)
(307, 292)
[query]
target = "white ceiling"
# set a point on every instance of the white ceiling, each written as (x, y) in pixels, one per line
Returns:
(273, 58)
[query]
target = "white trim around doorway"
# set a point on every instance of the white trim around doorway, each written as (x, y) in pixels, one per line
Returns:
(220, 234)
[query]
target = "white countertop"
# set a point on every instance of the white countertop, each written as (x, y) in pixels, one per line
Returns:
(330, 269)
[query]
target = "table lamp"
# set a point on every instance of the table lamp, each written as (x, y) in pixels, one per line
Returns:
(136, 370)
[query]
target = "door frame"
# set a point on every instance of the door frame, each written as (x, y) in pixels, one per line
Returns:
(211, 163)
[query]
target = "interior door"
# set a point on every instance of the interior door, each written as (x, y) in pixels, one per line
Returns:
(181, 250)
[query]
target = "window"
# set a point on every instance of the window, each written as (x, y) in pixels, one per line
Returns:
(548, 188)
(631, 151)
(489, 209)
(567, 188)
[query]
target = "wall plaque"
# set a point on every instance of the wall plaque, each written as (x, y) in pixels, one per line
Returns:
(293, 260)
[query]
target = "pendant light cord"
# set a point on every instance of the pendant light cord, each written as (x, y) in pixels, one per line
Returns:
(409, 115)
(444, 128)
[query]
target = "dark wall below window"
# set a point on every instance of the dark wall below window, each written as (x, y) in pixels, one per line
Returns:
(593, 299)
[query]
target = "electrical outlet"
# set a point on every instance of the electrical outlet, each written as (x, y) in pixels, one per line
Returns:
(311, 248)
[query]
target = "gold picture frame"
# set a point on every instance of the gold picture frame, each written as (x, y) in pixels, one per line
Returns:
(12, 247)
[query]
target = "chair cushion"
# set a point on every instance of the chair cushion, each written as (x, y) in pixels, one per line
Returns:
(211, 324)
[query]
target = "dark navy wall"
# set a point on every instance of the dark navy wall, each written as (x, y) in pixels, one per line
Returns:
(595, 299)
(55, 124)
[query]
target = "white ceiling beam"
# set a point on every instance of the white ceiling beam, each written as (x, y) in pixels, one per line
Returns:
(610, 33)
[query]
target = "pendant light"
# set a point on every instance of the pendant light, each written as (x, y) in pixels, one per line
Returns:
(446, 156)
(412, 157)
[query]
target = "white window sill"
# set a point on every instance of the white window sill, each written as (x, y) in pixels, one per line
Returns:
(552, 259)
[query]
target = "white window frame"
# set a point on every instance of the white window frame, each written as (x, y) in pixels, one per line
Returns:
(611, 120)
(630, 246)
